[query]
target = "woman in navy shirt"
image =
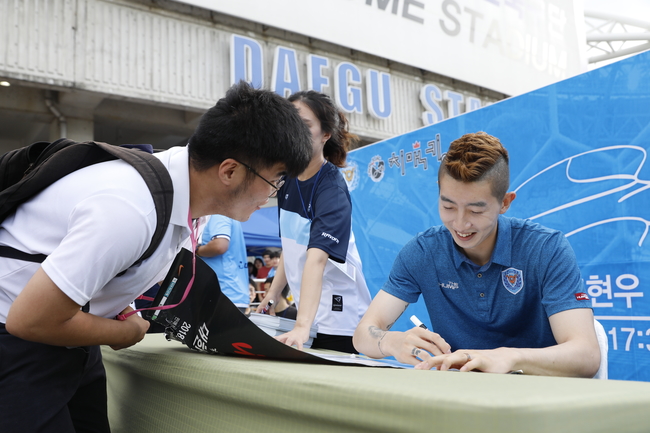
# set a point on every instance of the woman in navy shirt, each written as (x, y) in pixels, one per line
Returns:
(320, 261)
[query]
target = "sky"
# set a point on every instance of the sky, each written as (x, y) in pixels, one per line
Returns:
(639, 9)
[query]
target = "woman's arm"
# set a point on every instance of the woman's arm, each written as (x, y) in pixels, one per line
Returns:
(310, 292)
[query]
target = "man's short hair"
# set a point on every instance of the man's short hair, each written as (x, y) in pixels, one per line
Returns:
(275, 254)
(267, 253)
(476, 157)
(257, 127)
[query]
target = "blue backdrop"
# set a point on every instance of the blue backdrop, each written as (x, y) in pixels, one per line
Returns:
(261, 231)
(578, 164)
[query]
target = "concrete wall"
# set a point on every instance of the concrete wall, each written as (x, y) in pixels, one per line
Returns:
(96, 60)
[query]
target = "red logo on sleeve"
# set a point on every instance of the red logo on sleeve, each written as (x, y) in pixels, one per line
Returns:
(582, 296)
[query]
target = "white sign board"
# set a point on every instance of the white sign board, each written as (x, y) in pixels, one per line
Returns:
(511, 46)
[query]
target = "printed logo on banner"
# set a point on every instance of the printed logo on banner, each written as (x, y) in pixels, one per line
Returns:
(415, 156)
(513, 280)
(434, 148)
(350, 174)
(576, 178)
(376, 168)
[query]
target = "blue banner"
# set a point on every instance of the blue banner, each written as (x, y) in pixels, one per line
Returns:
(578, 152)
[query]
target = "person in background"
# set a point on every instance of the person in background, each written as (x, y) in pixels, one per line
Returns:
(319, 260)
(503, 294)
(257, 263)
(285, 306)
(224, 250)
(98, 222)
(275, 261)
(263, 272)
(252, 296)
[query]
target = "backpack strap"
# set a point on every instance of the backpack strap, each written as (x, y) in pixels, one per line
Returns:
(15, 163)
(65, 156)
(160, 185)
(56, 160)
(13, 253)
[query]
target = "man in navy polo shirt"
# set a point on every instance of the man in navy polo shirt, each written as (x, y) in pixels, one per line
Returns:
(503, 294)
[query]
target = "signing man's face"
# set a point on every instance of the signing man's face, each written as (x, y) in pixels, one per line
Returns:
(471, 212)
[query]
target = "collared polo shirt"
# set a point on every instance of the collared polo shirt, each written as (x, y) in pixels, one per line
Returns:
(532, 274)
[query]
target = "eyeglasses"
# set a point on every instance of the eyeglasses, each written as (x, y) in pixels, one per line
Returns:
(276, 186)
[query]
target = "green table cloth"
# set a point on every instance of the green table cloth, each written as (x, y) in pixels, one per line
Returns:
(162, 386)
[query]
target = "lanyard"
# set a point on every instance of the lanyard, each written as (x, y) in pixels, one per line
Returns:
(194, 230)
(311, 199)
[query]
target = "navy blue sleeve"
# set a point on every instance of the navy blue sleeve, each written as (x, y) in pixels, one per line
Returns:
(332, 223)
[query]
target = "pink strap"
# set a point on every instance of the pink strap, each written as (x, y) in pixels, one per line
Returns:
(194, 229)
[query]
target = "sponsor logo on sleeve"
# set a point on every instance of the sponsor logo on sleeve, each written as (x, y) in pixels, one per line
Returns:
(329, 236)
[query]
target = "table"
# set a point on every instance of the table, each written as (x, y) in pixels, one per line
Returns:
(161, 386)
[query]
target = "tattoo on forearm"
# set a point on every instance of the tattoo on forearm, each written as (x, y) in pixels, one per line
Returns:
(377, 333)
(400, 315)
(379, 343)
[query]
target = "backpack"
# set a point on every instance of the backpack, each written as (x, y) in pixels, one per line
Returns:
(27, 171)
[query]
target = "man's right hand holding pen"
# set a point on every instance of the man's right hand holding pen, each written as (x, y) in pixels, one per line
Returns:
(431, 339)
(374, 338)
(412, 346)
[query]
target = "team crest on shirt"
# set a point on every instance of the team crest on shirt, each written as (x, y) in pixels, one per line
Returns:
(513, 280)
